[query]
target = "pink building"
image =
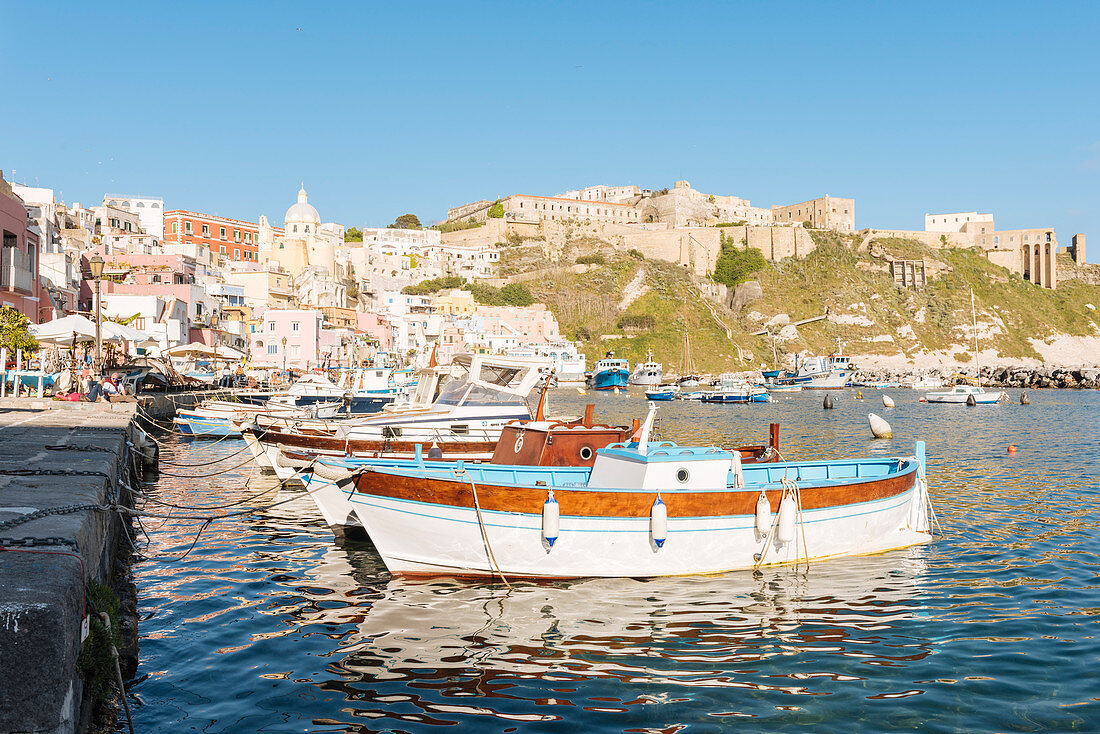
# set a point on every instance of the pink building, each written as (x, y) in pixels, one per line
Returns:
(19, 285)
(378, 327)
(533, 324)
(301, 330)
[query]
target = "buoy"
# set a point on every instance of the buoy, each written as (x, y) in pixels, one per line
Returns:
(921, 400)
(1024, 399)
(1011, 449)
(787, 511)
(763, 515)
(658, 522)
(970, 400)
(551, 516)
(887, 401)
(859, 395)
(828, 404)
(879, 427)
(616, 391)
(580, 391)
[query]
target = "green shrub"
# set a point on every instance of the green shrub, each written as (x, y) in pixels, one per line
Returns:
(458, 226)
(636, 254)
(735, 265)
(496, 211)
(637, 322)
(594, 258)
(434, 285)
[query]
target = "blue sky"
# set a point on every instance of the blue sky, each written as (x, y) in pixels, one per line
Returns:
(383, 108)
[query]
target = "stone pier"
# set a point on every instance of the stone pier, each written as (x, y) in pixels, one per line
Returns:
(58, 461)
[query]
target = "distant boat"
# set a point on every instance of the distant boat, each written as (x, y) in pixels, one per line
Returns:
(823, 373)
(969, 394)
(610, 373)
(783, 388)
(666, 392)
(922, 383)
(648, 373)
(962, 394)
(732, 389)
(690, 379)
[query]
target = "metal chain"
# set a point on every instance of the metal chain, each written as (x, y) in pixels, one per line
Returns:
(62, 510)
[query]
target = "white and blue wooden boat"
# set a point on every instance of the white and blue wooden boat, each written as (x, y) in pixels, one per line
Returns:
(670, 392)
(217, 418)
(642, 510)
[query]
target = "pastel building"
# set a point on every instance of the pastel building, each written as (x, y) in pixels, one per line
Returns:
(235, 240)
(301, 330)
(149, 210)
(19, 283)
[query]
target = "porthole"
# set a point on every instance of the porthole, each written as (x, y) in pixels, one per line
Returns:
(586, 453)
(682, 475)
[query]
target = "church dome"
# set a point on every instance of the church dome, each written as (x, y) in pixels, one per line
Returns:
(302, 212)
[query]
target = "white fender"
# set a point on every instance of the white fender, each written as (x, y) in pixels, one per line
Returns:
(658, 522)
(763, 515)
(787, 511)
(551, 515)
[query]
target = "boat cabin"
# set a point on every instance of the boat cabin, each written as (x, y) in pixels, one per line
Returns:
(663, 467)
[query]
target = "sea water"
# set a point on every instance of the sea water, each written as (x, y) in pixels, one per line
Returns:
(269, 624)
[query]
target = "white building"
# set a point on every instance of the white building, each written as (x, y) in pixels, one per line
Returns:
(149, 209)
(956, 222)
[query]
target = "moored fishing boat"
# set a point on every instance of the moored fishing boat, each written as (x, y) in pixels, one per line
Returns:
(609, 373)
(642, 510)
(216, 418)
(648, 373)
(733, 389)
(964, 394)
(568, 445)
(663, 393)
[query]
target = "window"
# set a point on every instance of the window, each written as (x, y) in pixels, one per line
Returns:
(141, 205)
(295, 325)
(206, 230)
(272, 348)
(236, 254)
(221, 234)
(271, 326)
(223, 249)
(295, 227)
(174, 225)
(154, 205)
(187, 227)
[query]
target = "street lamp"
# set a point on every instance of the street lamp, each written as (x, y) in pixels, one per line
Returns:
(285, 376)
(95, 266)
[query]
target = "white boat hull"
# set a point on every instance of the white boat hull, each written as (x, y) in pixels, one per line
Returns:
(423, 538)
(986, 399)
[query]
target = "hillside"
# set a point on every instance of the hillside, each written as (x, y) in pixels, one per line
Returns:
(631, 305)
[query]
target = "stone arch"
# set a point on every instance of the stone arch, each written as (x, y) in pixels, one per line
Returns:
(650, 215)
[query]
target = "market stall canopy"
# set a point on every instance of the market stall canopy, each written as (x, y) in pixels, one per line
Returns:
(66, 331)
(198, 349)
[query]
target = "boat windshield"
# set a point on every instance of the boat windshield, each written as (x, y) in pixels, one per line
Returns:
(463, 392)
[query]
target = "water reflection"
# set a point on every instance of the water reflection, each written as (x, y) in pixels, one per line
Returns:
(270, 625)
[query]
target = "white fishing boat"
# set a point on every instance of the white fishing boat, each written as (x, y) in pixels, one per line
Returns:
(963, 394)
(643, 510)
(215, 418)
(733, 389)
(822, 373)
(568, 364)
(648, 373)
(924, 382)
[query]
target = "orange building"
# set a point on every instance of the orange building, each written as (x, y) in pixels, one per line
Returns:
(229, 239)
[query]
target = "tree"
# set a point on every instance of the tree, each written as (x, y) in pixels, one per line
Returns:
(14, 333)
(406, 221)
(735, 265)
(496, 211)
(353, 235)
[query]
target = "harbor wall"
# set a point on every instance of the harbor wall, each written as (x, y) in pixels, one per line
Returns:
(60, 464)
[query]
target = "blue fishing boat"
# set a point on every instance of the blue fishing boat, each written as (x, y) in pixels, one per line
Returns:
(661, 394)
(610, 373)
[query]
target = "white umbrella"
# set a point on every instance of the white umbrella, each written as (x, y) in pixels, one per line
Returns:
(194, 349)
(61, 332)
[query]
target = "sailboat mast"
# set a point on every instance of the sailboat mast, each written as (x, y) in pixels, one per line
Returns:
(974, 320)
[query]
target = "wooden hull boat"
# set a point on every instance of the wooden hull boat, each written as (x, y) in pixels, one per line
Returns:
(641, 511)
(569, 446)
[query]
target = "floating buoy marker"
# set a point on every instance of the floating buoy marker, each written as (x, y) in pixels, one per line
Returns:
(1024, 399)
(1011, 449)
(879, 427)
(887, 401)
(828, 404)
